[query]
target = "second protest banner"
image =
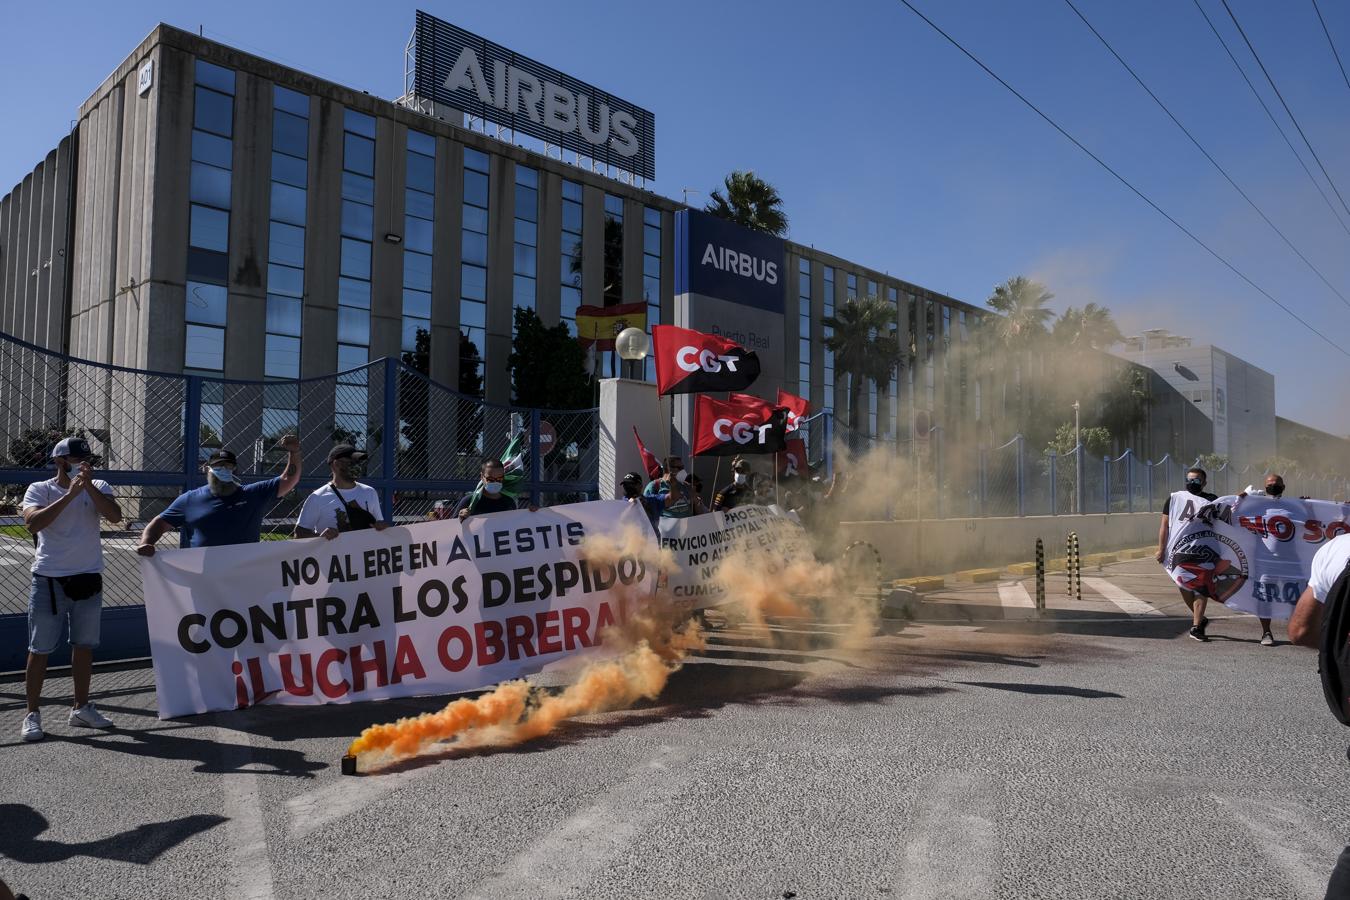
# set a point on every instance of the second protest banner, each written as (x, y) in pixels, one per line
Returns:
(745, 536)
(434, 607)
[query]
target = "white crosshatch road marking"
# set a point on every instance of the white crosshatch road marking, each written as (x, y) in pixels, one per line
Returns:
(1122, 598)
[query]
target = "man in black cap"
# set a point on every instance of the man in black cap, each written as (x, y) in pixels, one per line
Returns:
(67, 586)
(343, 504)
(223, 511)
(632, 492)
(741, 490)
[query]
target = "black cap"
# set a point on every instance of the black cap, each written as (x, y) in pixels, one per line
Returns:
(221, 455)
(633, 477)
(72, 447)
(346, 450)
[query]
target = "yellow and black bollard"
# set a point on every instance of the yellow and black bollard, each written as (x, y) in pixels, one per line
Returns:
(1040, 574)
(1073, 566)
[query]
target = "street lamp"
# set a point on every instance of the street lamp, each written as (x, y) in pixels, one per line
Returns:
(632, 345)
(1077, 462)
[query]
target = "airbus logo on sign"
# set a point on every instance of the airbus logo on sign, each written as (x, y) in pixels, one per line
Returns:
(725, 259)
(472, 75)
(515, 91)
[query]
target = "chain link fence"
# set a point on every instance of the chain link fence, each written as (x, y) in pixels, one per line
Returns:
(150, 433)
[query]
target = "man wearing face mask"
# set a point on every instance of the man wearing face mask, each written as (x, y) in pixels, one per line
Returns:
(741, 490)
(224, 511)
(1277, 560)
(1177, 510)
(63, 514)
(343, 504)
(678, 499)
(632, 492)
(490, 499)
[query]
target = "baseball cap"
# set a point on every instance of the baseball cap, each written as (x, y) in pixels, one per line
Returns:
(633, 477)
(75, 448)
(346, 450)
(221, 456)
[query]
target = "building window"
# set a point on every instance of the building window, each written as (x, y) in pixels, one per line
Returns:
(357, 227)
(571, 251)
(804, 328)
(890, 419)
(210, 179)
(852, 287)
(613, 250)
(651, 275)
(286, 255)
(827, 356)
(525, 263)
(473, 271)
(419, 215)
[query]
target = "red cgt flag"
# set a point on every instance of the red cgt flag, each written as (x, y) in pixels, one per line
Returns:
(725, 428)
(792, 461)
(797, 408)
(689, 362)
(649, 461)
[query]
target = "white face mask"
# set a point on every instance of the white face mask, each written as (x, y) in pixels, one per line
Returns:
(223, 474)
(741, 477)
(492, 488)
(682, 476)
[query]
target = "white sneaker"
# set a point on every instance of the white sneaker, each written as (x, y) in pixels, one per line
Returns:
(1267, 640)
(32, 727)
(89, 717)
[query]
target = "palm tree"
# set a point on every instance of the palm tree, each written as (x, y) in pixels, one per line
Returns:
(865, 346)
(1022, 302)
(1089, 328)
(750, 201)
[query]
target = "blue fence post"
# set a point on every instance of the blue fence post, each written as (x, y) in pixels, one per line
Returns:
(536, 464)
(1079, 457)
(1106, 484)
(1129, 481)
(1052, 456)
(192, 435)
(1021, 476)
(389, 437)
(827, 422)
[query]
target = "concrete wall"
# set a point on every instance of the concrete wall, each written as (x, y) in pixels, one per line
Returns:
(948, 545)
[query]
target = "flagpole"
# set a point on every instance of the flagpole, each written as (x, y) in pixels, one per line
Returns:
(717, 473)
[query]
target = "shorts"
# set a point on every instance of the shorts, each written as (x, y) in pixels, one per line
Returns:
(45, 627)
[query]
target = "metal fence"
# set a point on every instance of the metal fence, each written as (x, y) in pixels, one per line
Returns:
(150, 432)
(1016, 479)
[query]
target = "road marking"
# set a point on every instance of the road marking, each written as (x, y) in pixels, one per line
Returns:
(250, 867)
(561, 863)
(1284, 836)
(954, 853)
(311, 811)
(1121, 597)
(1014, 594)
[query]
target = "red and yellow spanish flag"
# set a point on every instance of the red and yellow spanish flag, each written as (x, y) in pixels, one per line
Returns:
(598, 325)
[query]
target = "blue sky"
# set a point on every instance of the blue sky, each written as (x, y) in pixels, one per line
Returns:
(888, 146)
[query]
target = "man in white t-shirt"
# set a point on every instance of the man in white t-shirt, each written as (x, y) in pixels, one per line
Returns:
(343, 504)
(67, 585)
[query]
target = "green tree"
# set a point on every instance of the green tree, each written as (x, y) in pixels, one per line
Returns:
(1022, 303)
(548, 366)
(1090, 328)
(865, 346)
(750, 201)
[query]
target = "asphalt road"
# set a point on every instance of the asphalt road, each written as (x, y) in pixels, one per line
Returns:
(979, 751)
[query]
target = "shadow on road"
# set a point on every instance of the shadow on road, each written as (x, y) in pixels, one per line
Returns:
(207, 753)
(1062, 690)
(1105, 623)
(142, 845)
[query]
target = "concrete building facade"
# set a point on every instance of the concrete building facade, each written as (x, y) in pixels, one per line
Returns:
(229, 216)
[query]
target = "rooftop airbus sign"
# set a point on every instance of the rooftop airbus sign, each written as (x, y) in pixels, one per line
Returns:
(460, 69)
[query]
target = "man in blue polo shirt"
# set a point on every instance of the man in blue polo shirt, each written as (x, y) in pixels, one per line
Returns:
(223, 511)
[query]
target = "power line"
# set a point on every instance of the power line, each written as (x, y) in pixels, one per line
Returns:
(1121, 178)
(1331, 43)
(1208, 156)
(1290, 112)
(1270, 115)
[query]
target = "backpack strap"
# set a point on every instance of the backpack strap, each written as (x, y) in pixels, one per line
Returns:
(1333, 656)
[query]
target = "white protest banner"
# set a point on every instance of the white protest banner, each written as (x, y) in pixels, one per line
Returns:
(700, 544)
(429, 608)
(1252, 553)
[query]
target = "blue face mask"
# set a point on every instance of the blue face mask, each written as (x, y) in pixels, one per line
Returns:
(492, 488)
(223, 474)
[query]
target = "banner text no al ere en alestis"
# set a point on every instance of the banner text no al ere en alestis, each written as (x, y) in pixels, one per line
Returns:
(429, 608)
